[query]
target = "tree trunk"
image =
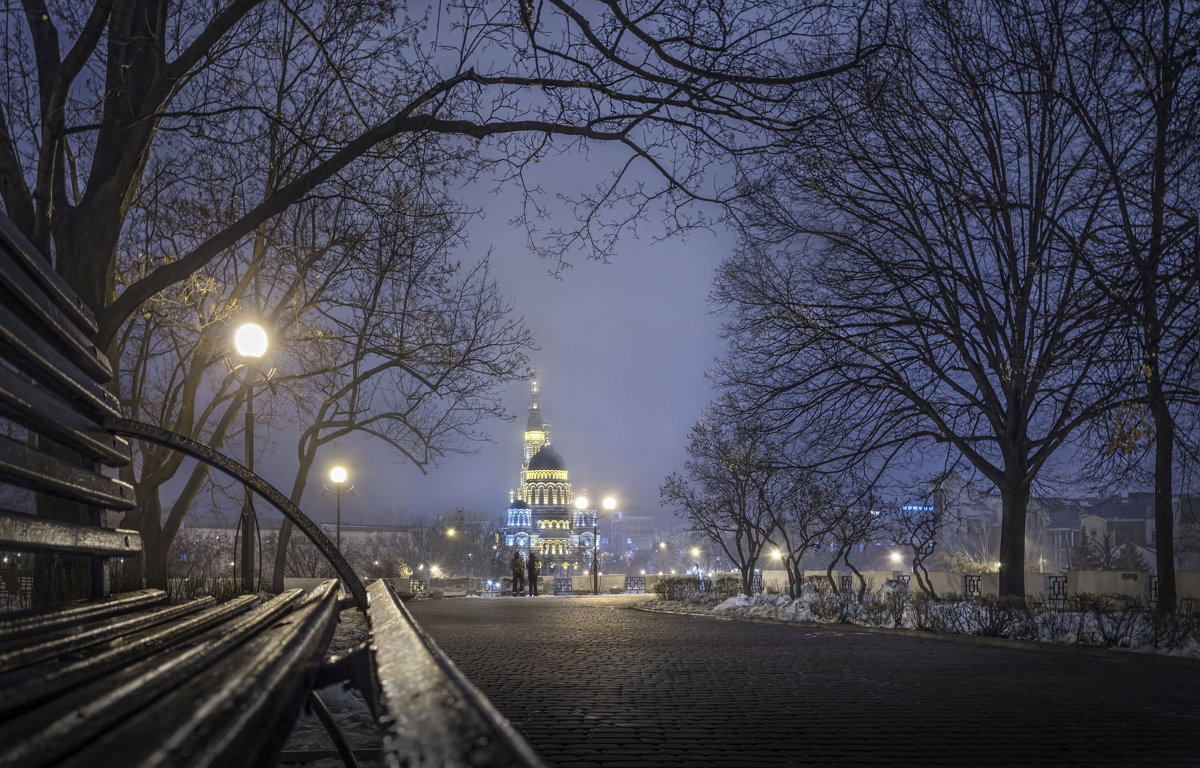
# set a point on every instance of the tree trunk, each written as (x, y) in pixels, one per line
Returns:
(862, 583)
(1014, 504)
(1164, 518)
(921, 574)
(154, 555)
(795, 578)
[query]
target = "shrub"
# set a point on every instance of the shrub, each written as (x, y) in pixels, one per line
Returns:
(677, 588)
(896, 597)
(874, 611)
(1110, 620)
(833, 607)
(726, 587)
(992, 617)
(819, 583)
(924, 614)
(1173, 629)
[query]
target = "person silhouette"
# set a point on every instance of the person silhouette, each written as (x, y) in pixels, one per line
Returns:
(535, 567)
(518, 570)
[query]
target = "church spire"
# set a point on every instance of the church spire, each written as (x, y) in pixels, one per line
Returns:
(537, 431)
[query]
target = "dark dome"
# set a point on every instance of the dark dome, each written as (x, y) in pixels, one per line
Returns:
(518, 504)
(547, 458)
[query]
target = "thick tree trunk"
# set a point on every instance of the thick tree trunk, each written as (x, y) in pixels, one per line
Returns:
(1014, 504)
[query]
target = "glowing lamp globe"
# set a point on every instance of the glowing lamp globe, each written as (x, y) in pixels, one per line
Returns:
(250, 340)
(581, 502)
(338, 475)
(609, 503)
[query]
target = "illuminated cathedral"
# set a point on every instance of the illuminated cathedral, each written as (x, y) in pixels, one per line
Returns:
(541, 511)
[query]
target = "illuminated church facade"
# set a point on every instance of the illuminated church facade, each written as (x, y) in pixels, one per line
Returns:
(541, 510)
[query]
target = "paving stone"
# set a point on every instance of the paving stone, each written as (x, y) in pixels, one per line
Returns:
(592, 682)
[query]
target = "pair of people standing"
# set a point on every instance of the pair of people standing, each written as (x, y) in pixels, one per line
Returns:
(519, 567)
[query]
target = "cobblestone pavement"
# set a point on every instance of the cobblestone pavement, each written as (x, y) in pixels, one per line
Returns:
(591, 682)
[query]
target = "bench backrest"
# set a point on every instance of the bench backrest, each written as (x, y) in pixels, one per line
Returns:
(52, 387)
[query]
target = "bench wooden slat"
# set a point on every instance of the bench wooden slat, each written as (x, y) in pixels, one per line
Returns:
(26, 349)
(39, 683)
(20, 532)
(240, 711)
(430, 709)
(103, 630)
(24, 296)
(47, 734)
(37, 471)
(20, 625)
(32, 406)
(52, 283)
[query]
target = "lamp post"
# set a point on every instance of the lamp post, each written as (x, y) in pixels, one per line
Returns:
(338, 476)
(609, 504)
(250, 341)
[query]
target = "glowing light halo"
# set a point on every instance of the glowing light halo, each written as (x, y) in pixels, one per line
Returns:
(250, 340)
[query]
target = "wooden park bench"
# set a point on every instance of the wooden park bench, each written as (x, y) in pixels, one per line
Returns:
(130, 679)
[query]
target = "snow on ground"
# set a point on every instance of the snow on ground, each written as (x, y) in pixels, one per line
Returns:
(1061, 627)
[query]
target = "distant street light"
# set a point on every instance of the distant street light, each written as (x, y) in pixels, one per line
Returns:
(338, 476)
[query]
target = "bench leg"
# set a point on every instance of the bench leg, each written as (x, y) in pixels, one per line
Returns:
(322, 712)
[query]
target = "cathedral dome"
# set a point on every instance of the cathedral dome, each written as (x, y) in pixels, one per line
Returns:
(547, 459)
(518, 504)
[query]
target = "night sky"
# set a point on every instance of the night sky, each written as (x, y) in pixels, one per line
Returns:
(623, 351)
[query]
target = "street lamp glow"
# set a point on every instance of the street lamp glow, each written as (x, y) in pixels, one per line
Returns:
(338, 475)
(777, 555)
(581, 502)
(695, 551)
(449, 531)
(609, 503)
(896, 557)
(250, 340)
(433, 570)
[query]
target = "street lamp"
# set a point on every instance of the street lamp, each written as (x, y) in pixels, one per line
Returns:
(609, 503)
(338, 476)
(250, 342)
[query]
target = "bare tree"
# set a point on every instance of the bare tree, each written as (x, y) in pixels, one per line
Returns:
(804, 516)
(408, 348)
(856, 520)
(912, 275)
(918, 527)
(729, 495)
(1131, 73)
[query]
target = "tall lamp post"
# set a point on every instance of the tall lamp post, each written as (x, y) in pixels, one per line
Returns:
(338, 476)
(250, 341)
(609, 504)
